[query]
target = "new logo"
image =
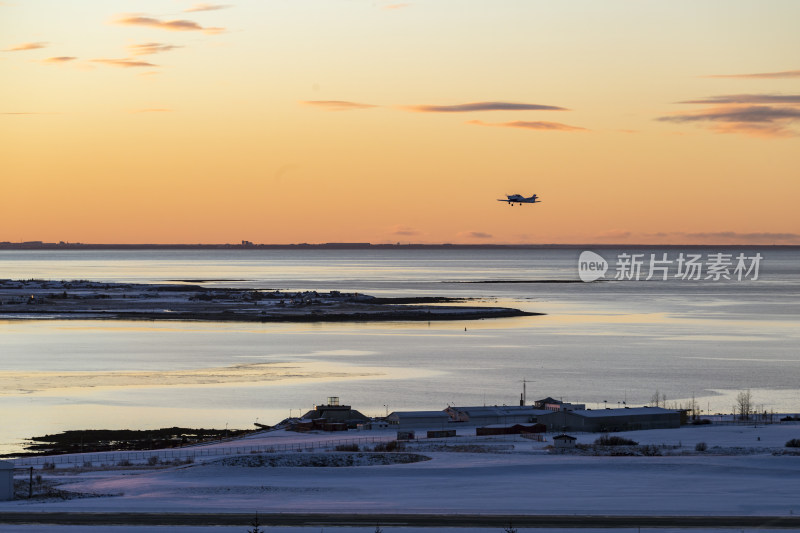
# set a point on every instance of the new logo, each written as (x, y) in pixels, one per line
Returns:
(591, 266)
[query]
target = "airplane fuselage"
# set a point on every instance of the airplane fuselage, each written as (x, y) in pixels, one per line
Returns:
(512, 199)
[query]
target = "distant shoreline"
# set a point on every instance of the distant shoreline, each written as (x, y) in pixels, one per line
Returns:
(90, 300)
(38, 245)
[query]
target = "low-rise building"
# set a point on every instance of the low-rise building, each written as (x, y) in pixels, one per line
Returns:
(564, 441)
(419, 419)
(625, 419)
(6, 480)
(497, 414)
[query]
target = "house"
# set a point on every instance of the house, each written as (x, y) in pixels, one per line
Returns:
(552, 404)
(564, 441)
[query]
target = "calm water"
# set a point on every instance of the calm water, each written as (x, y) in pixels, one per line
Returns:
(602, 342)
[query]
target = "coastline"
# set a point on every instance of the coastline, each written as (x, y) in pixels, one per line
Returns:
(89, 300)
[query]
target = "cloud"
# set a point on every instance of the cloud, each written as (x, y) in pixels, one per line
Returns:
(153, 110)
(615, 234)
(761, 75)
(170, 25)
(125, 63)
(789, 99)
(482, 106)
(759, 115)
(733, 237)
(396, 6)
(543, 126)
(763, 114)
(60, 60)
(145, 49)
(404, 230)
(759, 121)
(205, 7)
(336, 105)
(474, 235)
(25, 46)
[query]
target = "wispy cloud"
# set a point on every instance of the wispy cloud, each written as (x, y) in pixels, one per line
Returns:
(153, 110)
(730, 237)
(25, 46)
(145, 49)
(336, 105)
(702, 237)
(742, 113)
(748, 99)
(125, 63)
(474, 235)
(538, 125)
(761, 75)
(170, 25)
(404, 230)
(60, 60)
(396, 6)
(205, 7)
(482, 106)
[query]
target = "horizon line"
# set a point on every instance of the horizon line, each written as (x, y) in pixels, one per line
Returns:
(245, 245)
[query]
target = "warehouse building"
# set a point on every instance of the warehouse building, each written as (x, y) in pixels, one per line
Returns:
(492, 415)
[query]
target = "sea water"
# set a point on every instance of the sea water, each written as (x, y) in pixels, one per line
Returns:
(609, 343)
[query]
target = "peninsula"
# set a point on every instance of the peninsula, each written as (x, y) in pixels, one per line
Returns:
(43, 299)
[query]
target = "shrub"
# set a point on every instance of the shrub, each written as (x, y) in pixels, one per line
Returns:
(346, 448)
(153, 461)
(606, 440)
(390, 446)
(124, 462)
(49, 466)
(650, 450)
(701, 422)
(700, 447)
(794, 443)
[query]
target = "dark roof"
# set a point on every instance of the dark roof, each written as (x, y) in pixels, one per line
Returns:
(336, 414)
(564, 436)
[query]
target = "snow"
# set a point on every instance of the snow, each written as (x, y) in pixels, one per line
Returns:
(745, 471)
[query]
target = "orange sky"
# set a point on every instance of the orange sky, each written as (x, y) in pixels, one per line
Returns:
(278, 121)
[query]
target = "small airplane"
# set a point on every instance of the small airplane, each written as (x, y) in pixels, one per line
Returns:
(519, 199)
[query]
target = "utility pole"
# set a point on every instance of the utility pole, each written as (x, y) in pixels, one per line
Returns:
(524, 391)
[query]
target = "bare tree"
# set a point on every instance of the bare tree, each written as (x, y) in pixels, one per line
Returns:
(655, 399)
(744, 404)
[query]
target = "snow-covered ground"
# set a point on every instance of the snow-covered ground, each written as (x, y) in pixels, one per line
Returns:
(745, 471)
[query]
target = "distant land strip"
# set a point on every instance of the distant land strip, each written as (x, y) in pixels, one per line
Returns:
(91, 300)
(519, 281)
(247, 245)
(398, 520)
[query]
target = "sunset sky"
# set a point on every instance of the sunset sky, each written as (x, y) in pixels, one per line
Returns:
(286, 121)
